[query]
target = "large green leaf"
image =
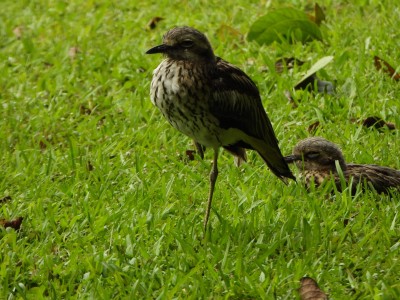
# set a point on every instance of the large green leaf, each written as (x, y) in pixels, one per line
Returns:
(286, 23)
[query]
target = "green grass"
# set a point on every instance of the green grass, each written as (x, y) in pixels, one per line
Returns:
(111, 207)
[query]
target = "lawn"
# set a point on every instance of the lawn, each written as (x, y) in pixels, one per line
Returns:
(113, 207)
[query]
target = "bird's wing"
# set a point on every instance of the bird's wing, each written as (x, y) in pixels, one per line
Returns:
(236, 103)
(381, 178)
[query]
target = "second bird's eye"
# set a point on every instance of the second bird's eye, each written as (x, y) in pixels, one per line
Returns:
(312, 155)
(187, 43)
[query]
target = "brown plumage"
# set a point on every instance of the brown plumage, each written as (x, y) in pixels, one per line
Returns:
(213, 102)
(316, 158)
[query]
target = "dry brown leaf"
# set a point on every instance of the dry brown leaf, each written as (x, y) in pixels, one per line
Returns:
(15, 224)
(309, 290)
(190, 154)
(153, 22)
(318, 16)
(313, 127)
(386, 67)
(18, 31)
(377, 123)
(73, 52)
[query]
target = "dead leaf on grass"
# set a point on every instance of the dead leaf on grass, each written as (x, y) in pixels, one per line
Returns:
(73, 52)
(190, 154)
(381, 64)
(153, 22)
(15, 224)
(313, 127)
(319, 15)
(375, 122)
(18, 32)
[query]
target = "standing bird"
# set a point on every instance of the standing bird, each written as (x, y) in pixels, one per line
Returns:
(213, 102)
(316, 158)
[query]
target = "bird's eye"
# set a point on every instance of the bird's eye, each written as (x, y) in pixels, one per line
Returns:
(187, 43)
(312, 155)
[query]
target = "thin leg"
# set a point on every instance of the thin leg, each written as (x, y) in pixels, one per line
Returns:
(213, 179)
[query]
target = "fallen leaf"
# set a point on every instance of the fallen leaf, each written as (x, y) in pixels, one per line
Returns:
(15, 224)
(18, 31)
(309, 290)
(190, 154)
(73, 52)
(377, 123)
(153, 22)
(319, 15)
(313, 127)
(386, 67)
(374, 121)
(5, 199)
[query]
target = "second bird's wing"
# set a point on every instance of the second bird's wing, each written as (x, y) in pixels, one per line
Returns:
(381, 178)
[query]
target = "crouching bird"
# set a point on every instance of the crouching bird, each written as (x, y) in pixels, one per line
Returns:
(213, 102)
(317, 160)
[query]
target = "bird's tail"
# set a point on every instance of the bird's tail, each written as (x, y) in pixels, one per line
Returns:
(272, 156)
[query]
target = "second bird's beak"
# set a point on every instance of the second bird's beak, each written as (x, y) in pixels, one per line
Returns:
(292, 158)
(158, 49)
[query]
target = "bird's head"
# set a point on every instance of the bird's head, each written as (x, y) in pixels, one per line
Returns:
(185, 43)
(316, 154)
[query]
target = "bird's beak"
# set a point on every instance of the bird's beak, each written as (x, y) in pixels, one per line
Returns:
(158, 49)
(292, 158)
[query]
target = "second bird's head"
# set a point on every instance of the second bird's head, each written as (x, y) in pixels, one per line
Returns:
(185, 43)
(316, 154)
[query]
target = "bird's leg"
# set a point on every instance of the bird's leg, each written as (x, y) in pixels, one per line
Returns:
(213, 179)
